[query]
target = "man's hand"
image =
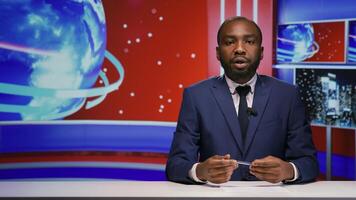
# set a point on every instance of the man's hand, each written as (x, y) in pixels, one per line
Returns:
(272, 169)
(216, 169)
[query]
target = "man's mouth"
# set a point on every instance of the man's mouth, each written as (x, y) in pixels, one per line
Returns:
(240, 62)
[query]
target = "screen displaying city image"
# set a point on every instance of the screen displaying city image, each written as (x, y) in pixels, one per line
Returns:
(329, 95)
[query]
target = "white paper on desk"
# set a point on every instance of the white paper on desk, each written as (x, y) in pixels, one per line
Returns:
(255, 189)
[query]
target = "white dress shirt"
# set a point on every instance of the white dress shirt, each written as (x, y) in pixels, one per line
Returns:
(236, 99)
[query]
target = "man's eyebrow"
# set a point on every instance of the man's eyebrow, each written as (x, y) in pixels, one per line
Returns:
(229, 36)
(244, 36)
(251, 35)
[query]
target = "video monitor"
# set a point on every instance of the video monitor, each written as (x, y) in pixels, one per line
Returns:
(329, 95)
(316, 50)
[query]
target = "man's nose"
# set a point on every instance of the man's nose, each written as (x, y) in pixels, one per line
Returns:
(239, 48)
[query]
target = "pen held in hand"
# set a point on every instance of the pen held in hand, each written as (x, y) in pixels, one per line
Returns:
(243, 163)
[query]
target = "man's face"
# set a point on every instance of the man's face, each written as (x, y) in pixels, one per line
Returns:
(239, 50)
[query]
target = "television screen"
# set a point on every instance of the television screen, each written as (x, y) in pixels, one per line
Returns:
(329, 95)
(92, 89)
(316, 50)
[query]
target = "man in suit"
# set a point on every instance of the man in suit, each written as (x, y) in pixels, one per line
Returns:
(241, 116)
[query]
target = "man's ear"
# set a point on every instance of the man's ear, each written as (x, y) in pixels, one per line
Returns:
(262, 48)
(217, 49)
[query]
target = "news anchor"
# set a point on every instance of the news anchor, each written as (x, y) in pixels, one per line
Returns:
(242, 125)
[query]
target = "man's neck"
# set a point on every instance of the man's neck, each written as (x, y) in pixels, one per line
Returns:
(242, 81)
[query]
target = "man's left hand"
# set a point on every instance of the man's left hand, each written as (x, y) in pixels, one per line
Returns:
(272, 169)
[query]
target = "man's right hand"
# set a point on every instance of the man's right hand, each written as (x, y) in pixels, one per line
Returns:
(216, 169)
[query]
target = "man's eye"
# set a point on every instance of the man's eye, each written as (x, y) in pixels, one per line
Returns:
(250, 41)
(230, 42)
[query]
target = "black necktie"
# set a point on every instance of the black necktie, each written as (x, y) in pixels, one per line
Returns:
(243, 114)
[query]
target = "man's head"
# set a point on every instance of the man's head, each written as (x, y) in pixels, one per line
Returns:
(239, 48)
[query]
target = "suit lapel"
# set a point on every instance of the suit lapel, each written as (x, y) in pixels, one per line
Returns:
(260, 99)
(223, 97)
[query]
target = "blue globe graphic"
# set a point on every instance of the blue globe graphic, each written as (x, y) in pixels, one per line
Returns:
(295, 43)
(48, 50)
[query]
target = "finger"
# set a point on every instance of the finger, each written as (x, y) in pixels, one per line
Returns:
(236, 165)
(227, 156)
(221, 178)
(270, 175)
(220, 171)
(267, 177)
(222, 175)
(234, 162)
(217, 157)
(265, 163)
(222, 163)
(265, 170)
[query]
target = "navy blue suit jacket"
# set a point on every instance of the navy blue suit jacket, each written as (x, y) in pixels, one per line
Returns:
(208, 126)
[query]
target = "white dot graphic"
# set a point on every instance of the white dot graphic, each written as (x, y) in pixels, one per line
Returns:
(180, 85)
(160, 96)
(160, 110)
(124, 26)
(129, 42)
(193, 55)
(138, 40)
(159, 62)
(132, 94)
(101, 81)
(153, 10)
(149, 34)
(160, 18)
(105, 69)
(121, 112)
(161, 106)
(169, 100)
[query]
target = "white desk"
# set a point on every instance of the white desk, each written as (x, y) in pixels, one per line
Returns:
(169, 190)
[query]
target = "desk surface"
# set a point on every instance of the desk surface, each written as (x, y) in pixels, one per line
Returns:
(169, 190)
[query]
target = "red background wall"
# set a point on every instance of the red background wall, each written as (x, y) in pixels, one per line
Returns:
(165, 46)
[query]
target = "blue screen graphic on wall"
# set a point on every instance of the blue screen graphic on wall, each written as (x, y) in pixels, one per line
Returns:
(51, 58)
(51, 55)
(295, 43)
(352, 42)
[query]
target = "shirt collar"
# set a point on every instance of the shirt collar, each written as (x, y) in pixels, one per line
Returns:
(232, 85)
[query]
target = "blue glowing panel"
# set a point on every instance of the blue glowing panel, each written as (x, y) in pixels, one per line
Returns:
(285, 74)
(85, 137)
(292, 11)
(351, 56)
(51, 57)
(311, 43)
(295, 43)
(89, 173)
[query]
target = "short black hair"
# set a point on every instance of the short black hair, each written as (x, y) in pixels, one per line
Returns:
(237, 18)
